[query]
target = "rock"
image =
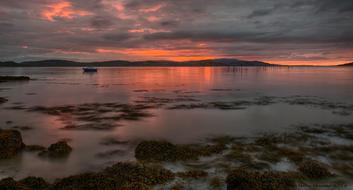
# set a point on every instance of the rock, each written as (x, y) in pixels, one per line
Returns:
(314, 169)
(130, 172)
(3, 100)
(123, 175)
(192, 174)
(269, 180)
(11, 184)
(166, 151)
(156, 151)
(57, 150)
(87, 181)
(13, 78)
(136, 186)
(10, 143)
(35, 183)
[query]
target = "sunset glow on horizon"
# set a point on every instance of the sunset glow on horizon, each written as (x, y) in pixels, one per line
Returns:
(279, 32)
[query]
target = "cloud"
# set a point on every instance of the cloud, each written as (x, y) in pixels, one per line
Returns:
(272, 30)
(62, 9)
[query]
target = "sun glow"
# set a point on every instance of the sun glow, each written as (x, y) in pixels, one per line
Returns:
(159, 54)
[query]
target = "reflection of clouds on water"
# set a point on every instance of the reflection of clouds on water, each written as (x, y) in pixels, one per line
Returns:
(220, 92)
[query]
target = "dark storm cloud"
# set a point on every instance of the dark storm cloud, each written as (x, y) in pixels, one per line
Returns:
(265, 30)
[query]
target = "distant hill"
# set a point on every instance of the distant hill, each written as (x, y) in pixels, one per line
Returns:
(347, 64)
(122, 63)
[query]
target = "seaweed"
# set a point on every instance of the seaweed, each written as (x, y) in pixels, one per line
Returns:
(216, 183)
(314, 169)
(166, 151)
(247, 180)
(96, 116)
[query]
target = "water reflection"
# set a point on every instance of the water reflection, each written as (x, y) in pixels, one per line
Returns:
(69, 86)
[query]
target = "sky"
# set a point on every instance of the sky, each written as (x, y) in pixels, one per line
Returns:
(295, 32)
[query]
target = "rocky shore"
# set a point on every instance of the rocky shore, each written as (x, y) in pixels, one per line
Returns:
(302, 159)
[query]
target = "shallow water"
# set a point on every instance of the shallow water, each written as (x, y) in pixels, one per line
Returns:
(69, 86)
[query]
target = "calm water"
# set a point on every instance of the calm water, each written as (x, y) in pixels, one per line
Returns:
(69, 86)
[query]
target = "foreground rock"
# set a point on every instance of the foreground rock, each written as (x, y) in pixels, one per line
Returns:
(13, 78)
(57, 150)
(11, 184)
(251, 180)
(10, 143)
(123, 175)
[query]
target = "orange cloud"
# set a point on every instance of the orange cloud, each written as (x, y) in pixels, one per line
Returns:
(121, 13)
(147, 30)
(158, 54)
(62, 9)
(152, 8)
(153, 19)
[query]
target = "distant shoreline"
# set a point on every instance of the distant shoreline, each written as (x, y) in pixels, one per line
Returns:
(123, 63)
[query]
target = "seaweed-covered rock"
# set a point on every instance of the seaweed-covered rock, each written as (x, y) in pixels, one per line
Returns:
(136, 186)
(10, 143)
(130, 172)
(247, 180)
(88, 181)
(314, 169)
(156, 151)
(57, 150)
(35, 183)
(11, 184)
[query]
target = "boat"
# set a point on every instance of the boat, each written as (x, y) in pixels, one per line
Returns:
(90, 69)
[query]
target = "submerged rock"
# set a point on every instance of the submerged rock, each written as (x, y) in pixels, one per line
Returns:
(269, 180)
(314, 169)
(13, 78)
(166, 151)
(10, 143)
(57, 150)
